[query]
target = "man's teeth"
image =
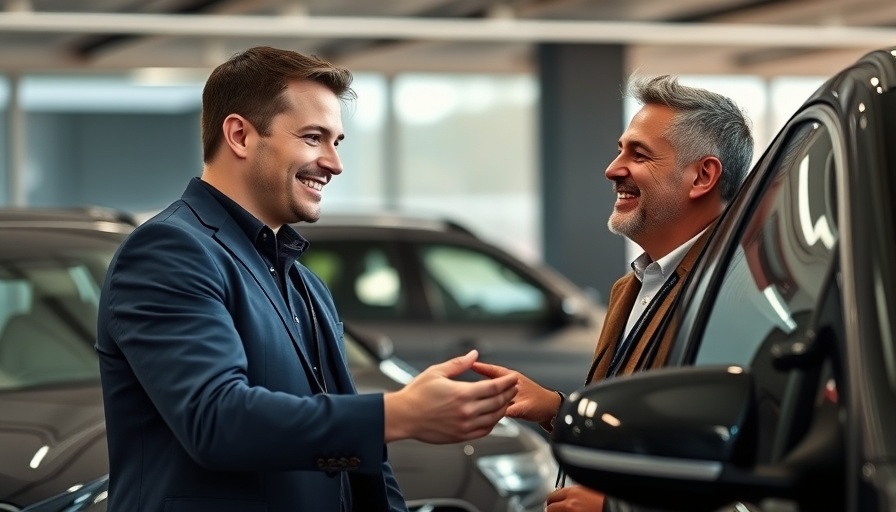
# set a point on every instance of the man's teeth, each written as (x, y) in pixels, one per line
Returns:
(624, 195)
(316, 185)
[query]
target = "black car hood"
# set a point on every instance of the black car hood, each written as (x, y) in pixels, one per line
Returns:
(51, 438)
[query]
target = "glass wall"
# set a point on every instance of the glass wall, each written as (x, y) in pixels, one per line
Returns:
(457, 145)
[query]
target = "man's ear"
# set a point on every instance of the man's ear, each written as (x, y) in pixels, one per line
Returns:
(236, 131)
(708, 175)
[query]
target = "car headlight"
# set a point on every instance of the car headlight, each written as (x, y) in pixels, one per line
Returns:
(505, 427)
(528, 475)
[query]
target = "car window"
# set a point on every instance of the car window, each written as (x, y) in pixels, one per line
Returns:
(363, 278)
(49, 290)
(464, 284)
(774, 278)
(779, 293)
(355, 355)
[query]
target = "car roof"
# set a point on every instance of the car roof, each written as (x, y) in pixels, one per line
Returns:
(389, 220)
(89, 217)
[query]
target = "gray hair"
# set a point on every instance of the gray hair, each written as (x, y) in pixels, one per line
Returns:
(705, 123)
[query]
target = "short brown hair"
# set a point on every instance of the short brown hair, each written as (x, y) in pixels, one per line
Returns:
(251, 84)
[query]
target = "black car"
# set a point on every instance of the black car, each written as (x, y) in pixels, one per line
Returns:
(438, 290)
(784, 393)
(53, 454)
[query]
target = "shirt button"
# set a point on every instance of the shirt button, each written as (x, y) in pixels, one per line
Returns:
(645, 300)
(296, 319)
(273, 271)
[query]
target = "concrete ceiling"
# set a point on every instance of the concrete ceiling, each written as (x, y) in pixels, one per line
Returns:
(761, 37)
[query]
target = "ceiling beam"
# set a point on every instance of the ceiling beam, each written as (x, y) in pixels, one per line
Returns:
(446, 29)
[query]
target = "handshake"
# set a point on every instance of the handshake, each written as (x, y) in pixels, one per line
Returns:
(435, 408)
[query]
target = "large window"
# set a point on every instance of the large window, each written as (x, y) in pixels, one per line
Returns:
(457, 145)
(460, 146)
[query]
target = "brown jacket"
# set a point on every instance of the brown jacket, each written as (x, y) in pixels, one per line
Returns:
(646, 352)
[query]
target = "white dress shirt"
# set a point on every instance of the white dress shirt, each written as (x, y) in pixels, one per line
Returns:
(652, 275)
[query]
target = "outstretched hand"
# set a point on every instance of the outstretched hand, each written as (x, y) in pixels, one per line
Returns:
(573, 499)
(532, 402)
(434, 408)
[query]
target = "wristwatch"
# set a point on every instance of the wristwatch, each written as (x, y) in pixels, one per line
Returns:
(548, 426)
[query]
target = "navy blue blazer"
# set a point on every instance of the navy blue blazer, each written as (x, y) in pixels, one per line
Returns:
(209, 398)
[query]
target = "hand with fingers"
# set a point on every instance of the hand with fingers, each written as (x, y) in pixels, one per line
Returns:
(575, 498)
(532, 402)
(435, 408)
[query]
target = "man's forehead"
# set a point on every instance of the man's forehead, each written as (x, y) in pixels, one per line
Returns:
(648, 125)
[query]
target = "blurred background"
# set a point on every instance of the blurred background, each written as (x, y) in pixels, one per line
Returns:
(500, 114)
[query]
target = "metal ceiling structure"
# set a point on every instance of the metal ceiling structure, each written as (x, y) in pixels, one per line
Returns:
(759, 37)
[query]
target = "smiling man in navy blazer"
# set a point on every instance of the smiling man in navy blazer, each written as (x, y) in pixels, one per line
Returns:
(222, 358)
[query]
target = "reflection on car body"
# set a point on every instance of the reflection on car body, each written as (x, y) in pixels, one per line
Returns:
(790, 321)
(53, 454)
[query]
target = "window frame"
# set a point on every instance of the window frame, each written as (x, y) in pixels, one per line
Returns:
(706, 279)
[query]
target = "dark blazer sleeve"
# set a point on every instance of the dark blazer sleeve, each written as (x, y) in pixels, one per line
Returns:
(173, 318)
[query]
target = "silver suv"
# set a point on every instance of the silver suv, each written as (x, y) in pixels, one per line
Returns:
(53, 454)
(437, 290)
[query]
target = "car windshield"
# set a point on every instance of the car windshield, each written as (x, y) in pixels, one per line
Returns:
(49, 289)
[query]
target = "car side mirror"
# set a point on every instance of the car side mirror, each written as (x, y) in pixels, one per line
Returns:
(676, 438)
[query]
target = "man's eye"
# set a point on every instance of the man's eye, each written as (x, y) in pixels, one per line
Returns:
(315, 138)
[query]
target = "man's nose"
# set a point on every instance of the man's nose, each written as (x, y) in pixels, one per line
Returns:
(616, 169)
(330, 160)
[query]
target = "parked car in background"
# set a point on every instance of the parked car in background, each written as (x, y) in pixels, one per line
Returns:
(437, 290)
(53, 454)
(789, 320)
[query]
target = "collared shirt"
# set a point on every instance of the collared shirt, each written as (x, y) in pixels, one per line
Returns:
(652, 275)
(280, 252)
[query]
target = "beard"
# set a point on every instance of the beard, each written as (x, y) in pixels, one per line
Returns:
(649, 218)
(627, 224)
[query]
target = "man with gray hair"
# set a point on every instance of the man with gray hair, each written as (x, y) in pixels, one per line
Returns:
(681, 161)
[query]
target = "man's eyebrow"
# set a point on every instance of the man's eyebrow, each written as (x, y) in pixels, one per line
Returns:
(636, 143)
(324, 130)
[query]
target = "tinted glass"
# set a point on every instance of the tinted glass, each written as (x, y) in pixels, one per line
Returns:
(463, 284)
(777, 277)
(363, 278)
(49, 289)
(776, 274)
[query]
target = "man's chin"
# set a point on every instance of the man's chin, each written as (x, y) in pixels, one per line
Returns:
(624, 226)
(617, 225)
(309, 216)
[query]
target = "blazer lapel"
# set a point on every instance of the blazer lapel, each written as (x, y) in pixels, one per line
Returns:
(622, 298)
(234, 240)
(330, 329)
(667, 336)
